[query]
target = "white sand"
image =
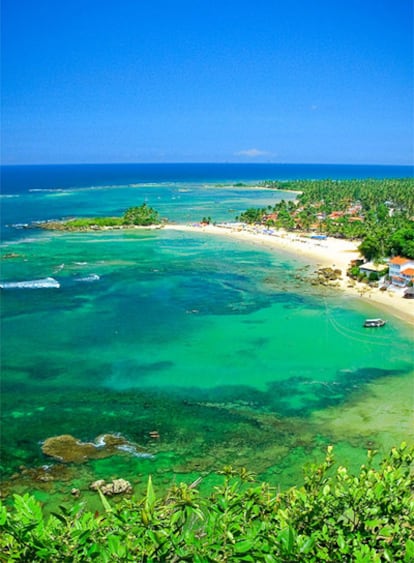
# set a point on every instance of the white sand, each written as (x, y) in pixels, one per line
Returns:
(332, 252)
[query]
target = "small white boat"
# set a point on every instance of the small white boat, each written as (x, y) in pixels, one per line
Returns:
(374, 323)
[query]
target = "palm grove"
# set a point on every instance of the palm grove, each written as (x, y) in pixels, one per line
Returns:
(379, 213)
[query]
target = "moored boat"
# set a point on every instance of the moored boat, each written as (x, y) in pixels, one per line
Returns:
(374, 323)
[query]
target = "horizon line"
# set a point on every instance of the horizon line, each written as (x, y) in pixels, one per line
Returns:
(224, 163)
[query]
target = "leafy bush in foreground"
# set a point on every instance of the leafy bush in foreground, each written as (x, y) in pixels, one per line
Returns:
(335, 516)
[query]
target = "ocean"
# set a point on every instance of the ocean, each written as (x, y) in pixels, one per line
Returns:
(199, 351)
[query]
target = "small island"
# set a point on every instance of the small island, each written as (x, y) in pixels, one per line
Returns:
(140, 216)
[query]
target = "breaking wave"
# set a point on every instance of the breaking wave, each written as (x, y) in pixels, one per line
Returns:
(44, 283)
(46, 190)
(89, 278)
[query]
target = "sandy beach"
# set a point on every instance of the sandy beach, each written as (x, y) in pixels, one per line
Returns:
(336, 253)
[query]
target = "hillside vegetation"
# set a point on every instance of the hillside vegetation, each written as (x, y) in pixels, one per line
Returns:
(335, 516)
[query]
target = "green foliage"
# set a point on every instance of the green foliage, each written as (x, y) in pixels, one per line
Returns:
(335, 516)
(142, 216)
(378, 212)
(369, 248)
(353, 272)
(252, 216)
(135, 216)
(84, 223)
(402, 241)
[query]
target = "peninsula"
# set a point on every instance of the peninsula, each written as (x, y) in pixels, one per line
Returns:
(141, 216)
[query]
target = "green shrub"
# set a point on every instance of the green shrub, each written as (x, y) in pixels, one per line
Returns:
(90, 222)
(335, 516)
(142, 215)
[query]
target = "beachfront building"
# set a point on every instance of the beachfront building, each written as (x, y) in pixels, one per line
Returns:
(370, 268)
(401, 271)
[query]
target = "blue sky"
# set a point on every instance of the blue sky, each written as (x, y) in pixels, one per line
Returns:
(312, 81)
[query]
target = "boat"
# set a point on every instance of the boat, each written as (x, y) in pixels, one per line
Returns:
(374, 323)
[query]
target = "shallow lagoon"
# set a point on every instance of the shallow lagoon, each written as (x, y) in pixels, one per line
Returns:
(222, 348)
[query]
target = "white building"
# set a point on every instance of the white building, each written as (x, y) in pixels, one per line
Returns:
(401, 271)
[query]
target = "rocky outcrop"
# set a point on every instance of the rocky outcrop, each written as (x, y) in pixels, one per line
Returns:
(327, 276)
(46, 473)
(116, 487)
(67, 448)
(97, 484)
(11, 255)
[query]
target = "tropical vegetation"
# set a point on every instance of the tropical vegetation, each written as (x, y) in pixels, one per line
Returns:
(379, 213)
(336, 516)
(142, 216)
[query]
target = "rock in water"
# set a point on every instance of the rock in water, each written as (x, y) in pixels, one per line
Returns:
(97, 484)
(67, 448)
(117, 487)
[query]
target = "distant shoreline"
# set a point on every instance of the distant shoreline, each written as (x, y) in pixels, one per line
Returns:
(336, 253)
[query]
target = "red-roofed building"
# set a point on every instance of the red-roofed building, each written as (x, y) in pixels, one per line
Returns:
(408, 274)
(399, 260)
(401, 271)
(336, 214)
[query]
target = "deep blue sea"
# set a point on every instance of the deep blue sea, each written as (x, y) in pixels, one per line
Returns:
(15, 179)
(223, 349)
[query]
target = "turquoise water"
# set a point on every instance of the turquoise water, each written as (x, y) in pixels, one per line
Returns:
(223, 348)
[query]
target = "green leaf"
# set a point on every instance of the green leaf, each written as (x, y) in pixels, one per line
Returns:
(45, 553)
(287, 538)
(104, 501)
(60, 517)
(83, 537)
(93, 551)
(243, 546)
(3, 514)
(150, 497)
(115, 546)
(376, 523)
(307, 545)
(386, 531)
(409, 551)
(326, 490)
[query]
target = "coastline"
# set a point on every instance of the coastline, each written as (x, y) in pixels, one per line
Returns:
(336, 253)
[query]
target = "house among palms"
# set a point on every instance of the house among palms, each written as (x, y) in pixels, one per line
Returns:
(401, 271)
(373, 269)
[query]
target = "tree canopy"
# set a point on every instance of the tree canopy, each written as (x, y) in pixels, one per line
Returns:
(142, 215)
(379, 213)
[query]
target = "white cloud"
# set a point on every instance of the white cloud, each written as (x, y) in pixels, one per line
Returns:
(252, 153)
